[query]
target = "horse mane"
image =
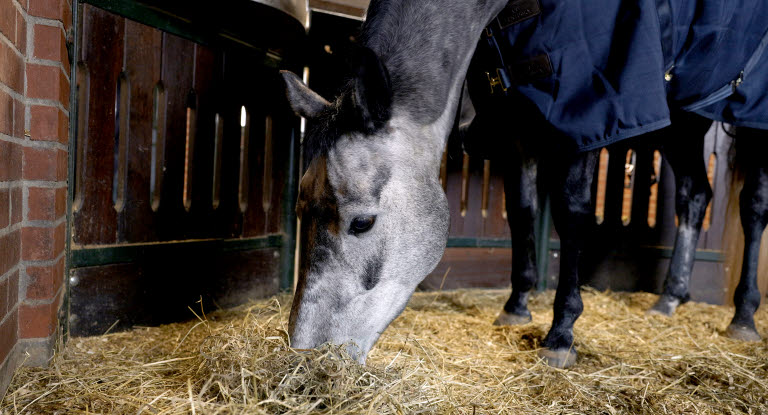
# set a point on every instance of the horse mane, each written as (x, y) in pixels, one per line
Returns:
(392, 30)
(342, 116)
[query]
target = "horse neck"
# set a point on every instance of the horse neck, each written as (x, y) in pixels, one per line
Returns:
(427, 45)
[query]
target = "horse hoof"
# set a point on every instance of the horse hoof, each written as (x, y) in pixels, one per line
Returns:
(665, 306)
(508, 319)
(743, 333)
(560, 358)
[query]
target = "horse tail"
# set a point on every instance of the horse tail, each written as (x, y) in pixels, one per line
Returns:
(733, 234)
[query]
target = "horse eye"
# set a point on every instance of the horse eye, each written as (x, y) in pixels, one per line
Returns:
(361, 224)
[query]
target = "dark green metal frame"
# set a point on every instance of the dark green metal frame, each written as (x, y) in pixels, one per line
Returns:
(116, 254)
(73, 49)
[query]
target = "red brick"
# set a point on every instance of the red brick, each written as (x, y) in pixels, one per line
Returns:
(66, 15)
(5, 208)
(16, 205)
(4, 307)
(9, 255)
(43, 81)
(9, 332)
(8, 19)
(39, 320)
(11, 155)
(44, 282)
(40, 244)
(12, 69)
(46, 204)
(64, 89)
(21, 33)
(48, 42)
(47, 82)
(18, 119)
(13, 290)
(23, 3)
(6, 113)
(44, 164)
(50, 9)
(48, 124)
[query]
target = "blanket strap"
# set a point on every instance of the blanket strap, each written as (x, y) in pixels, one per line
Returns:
(730, 88)
(501, 76)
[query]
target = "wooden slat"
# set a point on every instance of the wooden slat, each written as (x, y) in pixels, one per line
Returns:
(95, 222)
(142, 66)
(177, 62)
(281, 125)
(495, 225)
(205, 86)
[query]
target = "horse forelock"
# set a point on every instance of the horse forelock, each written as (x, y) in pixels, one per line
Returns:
(337, 120)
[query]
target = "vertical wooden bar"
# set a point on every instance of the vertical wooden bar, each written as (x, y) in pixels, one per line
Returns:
(444, 170)
(653, 199)
(217, 158)
(103, 49)
(464, 184)
(268, 175)
(142, 68)
(245, 139)
(178, 59)
(602, 183)
(486, 188)
(711, 170)
(203, 145)
(81, 161)
(629, 185)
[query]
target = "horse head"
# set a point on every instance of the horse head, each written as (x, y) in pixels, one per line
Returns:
(374, 217)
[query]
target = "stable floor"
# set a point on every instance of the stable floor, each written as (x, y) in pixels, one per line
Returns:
(441, 355)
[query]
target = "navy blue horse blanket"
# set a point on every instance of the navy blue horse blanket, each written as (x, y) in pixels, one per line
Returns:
(617, 67)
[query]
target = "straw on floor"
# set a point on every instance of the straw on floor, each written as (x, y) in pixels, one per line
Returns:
(442, 355)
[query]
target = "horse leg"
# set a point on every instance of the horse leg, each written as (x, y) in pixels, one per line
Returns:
(522, 199)
(753, 206)
(572, 213)
(684, 148)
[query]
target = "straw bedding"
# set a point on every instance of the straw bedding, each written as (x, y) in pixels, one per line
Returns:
(441, 355)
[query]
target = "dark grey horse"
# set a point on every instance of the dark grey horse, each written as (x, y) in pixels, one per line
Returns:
(374, 216)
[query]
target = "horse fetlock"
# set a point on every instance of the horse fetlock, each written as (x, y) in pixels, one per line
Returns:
(512, 319)
(560, 358)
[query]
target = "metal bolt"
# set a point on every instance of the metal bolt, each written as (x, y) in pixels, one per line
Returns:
(73, 281)
(276, 254)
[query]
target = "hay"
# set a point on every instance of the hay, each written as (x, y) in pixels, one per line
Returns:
(441, 355)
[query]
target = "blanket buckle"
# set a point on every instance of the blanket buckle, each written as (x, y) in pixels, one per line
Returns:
(736, 82)
(496, 80)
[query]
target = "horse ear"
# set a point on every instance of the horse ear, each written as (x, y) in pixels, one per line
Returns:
(304, 101)
(372, 88)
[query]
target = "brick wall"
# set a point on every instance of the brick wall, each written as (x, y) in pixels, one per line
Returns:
(34, 122)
